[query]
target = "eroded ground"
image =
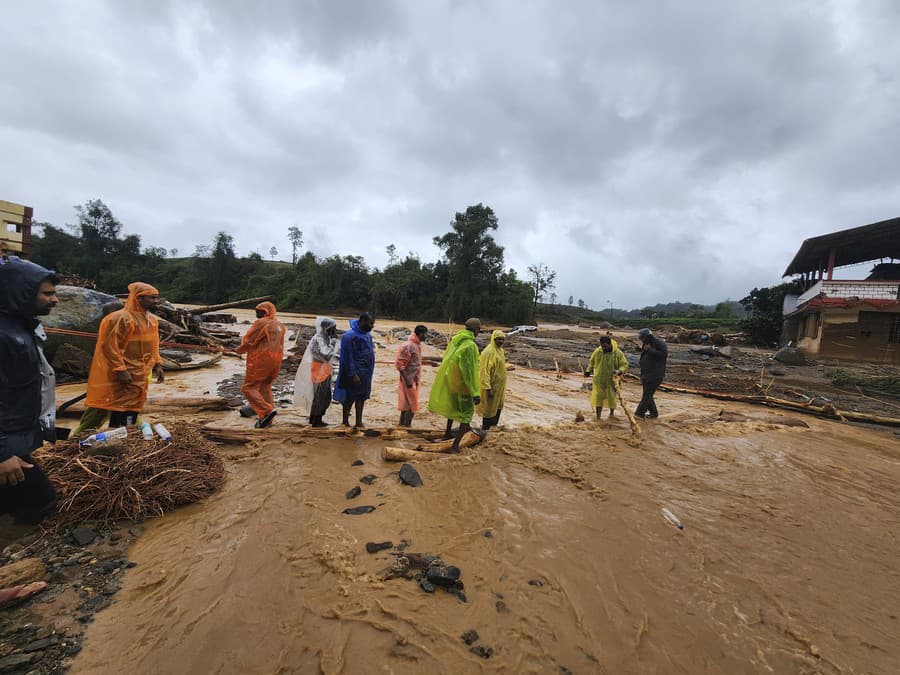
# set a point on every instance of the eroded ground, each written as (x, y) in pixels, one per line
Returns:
(787, 561)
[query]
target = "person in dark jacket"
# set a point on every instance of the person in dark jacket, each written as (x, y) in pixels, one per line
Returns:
(654, 353)
(26, 390)
(354, 380)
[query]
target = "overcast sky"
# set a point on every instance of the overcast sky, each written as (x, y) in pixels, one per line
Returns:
(646, 151)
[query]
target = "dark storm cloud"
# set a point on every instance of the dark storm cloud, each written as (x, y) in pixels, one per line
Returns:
(647, 151)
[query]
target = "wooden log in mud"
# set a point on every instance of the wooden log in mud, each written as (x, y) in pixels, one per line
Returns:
(206, 309)
(635, 428)
(168, 364)
(288, 432)
(429, 450)
(827, 411)
(22, 571)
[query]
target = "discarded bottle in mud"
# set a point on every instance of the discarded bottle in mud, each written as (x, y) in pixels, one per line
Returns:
(162, 431)
(672, 518)
(147, 431)
(103, 436)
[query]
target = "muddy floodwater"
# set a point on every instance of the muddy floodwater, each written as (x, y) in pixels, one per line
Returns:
(787, 563)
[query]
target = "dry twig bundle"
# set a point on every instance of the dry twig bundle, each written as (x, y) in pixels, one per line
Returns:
(145, 479)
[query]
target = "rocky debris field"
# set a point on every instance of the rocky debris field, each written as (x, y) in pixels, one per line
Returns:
(83, 568)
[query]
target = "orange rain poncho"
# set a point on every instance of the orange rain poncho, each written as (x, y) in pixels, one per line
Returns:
(128, 340)
(409, 363)
(264, 346)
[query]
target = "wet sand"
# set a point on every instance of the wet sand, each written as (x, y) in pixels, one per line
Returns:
(787, 562)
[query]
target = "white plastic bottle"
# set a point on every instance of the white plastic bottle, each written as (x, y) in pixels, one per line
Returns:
(147, 431)
(162, 431)
(672, 518)
(108, 435)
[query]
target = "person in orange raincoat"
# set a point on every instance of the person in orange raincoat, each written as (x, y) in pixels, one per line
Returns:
(264, 346)
(126, 353)
(409, 363)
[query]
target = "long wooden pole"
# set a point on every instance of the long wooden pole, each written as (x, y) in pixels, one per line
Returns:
(635, 428)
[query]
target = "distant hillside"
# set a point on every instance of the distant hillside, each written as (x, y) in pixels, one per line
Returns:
(705, 317)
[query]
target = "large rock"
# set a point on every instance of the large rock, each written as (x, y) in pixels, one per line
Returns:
(790, 356)
(79, 309)
(70, 359)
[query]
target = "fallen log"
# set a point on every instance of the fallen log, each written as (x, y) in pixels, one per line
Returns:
(22, 571)
(429, 450)
(635, 429)
(288, 432)
(174, 365)
(826, 411)
(206, 309)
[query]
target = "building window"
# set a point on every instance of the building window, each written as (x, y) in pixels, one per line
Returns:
(894, 329)
(809, 326)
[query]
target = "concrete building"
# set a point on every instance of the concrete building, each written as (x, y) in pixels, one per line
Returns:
(848, 319)
(15, 229)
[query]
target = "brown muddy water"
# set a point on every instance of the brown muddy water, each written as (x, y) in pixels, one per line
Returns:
(787, 563)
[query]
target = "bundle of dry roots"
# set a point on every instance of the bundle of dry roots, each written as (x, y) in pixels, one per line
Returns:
(132, 478)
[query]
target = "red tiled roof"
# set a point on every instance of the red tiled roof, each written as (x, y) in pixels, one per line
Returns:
(825, 303)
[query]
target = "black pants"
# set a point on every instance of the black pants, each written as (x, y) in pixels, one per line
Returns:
(119, 418)
(488, 422)
(647, 403)
(32, 500)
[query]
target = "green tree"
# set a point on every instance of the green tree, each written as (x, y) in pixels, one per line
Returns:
(295, 235)
(541, 279)
(221, 267)
(474, 261)
(764, 313)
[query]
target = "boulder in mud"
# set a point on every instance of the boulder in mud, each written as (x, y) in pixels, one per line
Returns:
(410, 476)
(353, 492)
(790, 356)
(375, 547)
(71, 359)
(79, 309)
(358, 510)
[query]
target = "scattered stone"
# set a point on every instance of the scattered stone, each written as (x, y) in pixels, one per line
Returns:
(501, 607)
(790, 356)
(368, 480)
(579, 417)
(353, 492)
(375, 547)
(427, 586)
(487, 534)
(358, 462)
(371, 433)
(482, 651)
(447, 577)
(777, 372)
(535, 582)
(38, 645)
(246, 411)
(410, 476)
(14, 661)
(358, 510)
(83, 535)
(470, 636)
(461, 596)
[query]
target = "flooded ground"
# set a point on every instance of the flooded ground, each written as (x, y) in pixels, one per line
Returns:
(787, 562)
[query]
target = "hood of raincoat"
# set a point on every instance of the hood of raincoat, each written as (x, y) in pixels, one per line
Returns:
(266, 307)
(456, 340)
(497, 334)
(136, 290)
(20, 280)
(323, 323)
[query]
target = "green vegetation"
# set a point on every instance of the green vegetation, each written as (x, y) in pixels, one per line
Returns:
(764, 308)
(575, 315)
(470, 279)
(885, 385)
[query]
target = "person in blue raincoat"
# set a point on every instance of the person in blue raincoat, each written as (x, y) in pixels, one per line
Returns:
(354, 381)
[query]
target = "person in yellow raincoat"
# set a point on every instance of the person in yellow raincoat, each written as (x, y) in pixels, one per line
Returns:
(492, 376)
(607, 361)
(127, 352)
(456, 391)
(264, 346)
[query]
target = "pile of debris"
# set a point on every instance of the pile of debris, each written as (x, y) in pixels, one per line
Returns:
(131, 478)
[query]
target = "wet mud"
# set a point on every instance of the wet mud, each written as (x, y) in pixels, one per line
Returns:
(786, 563)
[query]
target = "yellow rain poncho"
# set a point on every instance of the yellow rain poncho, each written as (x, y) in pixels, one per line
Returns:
(456, 382)
(128, 340)
(603, 365)
(492, 375)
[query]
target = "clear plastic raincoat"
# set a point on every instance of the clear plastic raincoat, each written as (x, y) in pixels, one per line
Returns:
(264, 346)
(492, 375)
(128, 340)
(603, 365)
(456, 381)
(312, 386)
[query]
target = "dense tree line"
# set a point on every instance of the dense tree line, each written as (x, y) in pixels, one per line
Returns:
(469, 280)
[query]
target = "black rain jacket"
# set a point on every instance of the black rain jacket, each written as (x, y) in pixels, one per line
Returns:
(653, 360)
(20, 360)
